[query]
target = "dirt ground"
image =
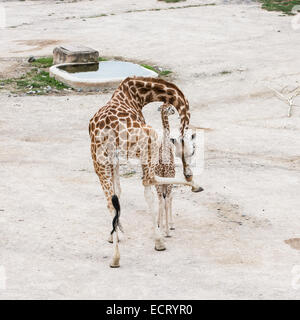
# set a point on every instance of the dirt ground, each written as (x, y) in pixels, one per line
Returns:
(232, 241)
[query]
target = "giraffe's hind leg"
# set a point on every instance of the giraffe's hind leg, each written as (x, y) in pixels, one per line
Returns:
(117, 185)
(115, 213)
(115, 263)
(105, 174)
(149, 197)
(159, 192)
(160, 221)
(117, 188)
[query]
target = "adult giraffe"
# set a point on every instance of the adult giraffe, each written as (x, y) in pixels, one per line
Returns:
(119, 127)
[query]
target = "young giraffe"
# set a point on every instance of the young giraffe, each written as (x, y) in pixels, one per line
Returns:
(165, 168)
(120, 128)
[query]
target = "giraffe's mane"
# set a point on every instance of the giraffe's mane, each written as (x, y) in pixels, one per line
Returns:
(154, 80)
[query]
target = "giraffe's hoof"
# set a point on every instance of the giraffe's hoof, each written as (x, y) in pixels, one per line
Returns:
(168, 236)
(110, 238)
(197, 189)
(112, 265)
(160, 249)
(172, 228)
(115, 262)
(159, 246)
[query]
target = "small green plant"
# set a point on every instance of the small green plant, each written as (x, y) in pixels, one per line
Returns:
(225, 72)
(129, 174)
(43, 79)
(35, 81)
(45, 62)
(102, 59)
(5, 81)
(23, 83)
(39, 80)
(149, 67)
(221, 73)
(96, 16)
(165, 72)
(161, 73)
(284, 6)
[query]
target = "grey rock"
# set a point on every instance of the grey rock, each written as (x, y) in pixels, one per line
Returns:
(31, 59)
(74, 54)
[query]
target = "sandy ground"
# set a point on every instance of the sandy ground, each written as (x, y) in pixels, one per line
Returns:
(229, 240)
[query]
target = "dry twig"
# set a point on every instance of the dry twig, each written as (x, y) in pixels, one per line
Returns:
(289, 100)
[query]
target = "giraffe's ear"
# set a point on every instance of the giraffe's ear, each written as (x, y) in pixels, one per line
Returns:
(173, 140)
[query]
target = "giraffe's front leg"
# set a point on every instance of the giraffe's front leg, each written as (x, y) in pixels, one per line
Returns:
(149, 197)
(170, 199)
(160, 212)
(167, 216)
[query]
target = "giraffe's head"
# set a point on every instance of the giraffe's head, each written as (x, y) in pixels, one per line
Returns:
(185, 147)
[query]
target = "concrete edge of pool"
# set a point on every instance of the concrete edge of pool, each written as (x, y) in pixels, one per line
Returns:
(88, 84)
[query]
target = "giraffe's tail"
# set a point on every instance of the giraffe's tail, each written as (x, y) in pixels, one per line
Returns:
(116, 222)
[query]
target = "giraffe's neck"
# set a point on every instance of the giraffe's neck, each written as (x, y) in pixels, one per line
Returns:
(165, 147)
(165, 119)
(140, 91)
(166, 127)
